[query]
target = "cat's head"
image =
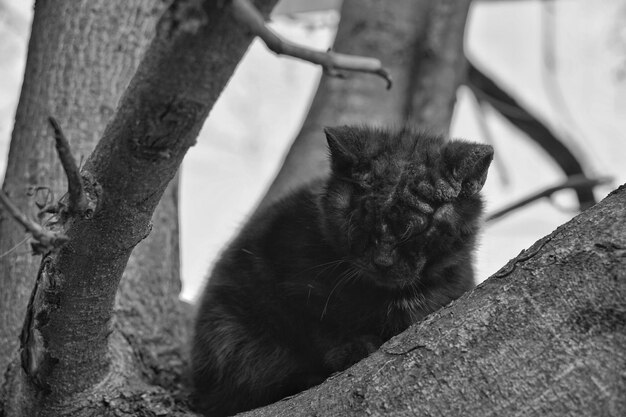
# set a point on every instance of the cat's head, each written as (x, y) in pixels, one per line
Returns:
(399, 202)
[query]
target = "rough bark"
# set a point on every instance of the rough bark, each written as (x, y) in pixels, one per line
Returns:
(420, 42)
(148, 312)
(439, 66)
(544, 336)
(86, 101)
(76, 71)
(71, 363)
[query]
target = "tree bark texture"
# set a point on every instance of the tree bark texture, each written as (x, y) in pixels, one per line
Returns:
(72, 357)
(410, 37)
(81, 56)
(148, 312)
(544, 336)
(439, 66)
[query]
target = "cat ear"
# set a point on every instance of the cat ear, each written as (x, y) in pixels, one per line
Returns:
(468, 163)
(338, 139)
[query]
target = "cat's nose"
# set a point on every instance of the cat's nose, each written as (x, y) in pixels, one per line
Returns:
(384, 254)
(383, 259)
(382, 265)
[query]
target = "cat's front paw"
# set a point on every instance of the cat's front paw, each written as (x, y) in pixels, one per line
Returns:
(347, 354)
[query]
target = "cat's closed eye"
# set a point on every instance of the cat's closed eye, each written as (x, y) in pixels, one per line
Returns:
(342, 265)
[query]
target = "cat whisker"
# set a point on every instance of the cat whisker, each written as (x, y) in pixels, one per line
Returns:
(344, 278)
(352, 276)
(334, 266)
(427, 303)
(325, 309)
(326, 265)
(351, 227)
(360, 267)
(417, 294)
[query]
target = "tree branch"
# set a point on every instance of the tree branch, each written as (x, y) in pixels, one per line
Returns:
(575, 182)
(398, 33)
(332, 62)
(545, 333)
(438, 66)
(193, 54)
(486, 90)
(83, 100)
(77, 199)
(46, 240)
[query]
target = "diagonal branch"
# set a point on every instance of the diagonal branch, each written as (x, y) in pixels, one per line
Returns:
(575, 182)
(486, 90)
(552, 321)
(47, 240)
(193, 54)
(77, 199)
(331, 61)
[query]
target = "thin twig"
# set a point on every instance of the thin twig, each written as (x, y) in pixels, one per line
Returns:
(331, 61)
(485, 88)
(46, 239)
(575, 182)
(14, 248)
(77, 199)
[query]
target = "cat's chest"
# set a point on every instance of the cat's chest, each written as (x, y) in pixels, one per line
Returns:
(356, 309)
(403, 311)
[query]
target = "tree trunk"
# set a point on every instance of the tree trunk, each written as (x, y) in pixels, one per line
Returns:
(77, 356)
(544, 336)
(81, 57)
(420, 42)
(439, 66)
(148, 312)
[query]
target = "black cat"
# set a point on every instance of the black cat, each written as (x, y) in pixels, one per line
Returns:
(321, 279)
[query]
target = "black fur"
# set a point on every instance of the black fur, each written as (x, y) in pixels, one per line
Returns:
(322, 278)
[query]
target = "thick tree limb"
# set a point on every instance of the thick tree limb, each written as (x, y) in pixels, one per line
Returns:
(545, 336)
(67, 330)
(81, 56)
(332, 62)
(402, 34)
(439, 65)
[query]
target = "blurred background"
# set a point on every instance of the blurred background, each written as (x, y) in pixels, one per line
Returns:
(563, 61)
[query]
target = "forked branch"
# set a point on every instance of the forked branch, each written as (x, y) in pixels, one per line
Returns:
(47, 240)
(332, 62)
